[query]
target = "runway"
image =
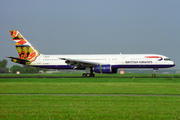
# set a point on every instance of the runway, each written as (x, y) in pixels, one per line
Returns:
(90, 77)
(132, 95)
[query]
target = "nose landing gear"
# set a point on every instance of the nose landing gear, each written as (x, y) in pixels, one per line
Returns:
(154, 72)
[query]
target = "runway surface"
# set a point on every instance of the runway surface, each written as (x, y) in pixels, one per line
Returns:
(135, 95)
(89, 77)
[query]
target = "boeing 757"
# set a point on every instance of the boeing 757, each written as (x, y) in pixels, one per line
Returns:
(92, 63)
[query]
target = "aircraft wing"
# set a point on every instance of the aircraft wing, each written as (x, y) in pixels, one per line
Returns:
(79, 63)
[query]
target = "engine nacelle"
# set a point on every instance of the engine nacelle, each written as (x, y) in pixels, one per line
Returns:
(104, 69)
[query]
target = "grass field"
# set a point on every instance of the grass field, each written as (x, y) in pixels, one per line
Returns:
(89, 107)
(69, 107)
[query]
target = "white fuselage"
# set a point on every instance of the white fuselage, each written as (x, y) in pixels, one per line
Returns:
(115, 60)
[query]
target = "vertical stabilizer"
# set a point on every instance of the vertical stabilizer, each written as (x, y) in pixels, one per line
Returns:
(25, 50)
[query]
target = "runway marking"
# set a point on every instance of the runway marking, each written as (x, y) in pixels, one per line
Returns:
(135, 95)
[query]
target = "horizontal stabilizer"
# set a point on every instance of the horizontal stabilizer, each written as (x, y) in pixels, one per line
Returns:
(19, 60)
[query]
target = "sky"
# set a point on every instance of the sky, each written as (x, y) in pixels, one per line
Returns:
(93, 26)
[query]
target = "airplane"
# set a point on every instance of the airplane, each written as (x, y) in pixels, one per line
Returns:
(91, 63)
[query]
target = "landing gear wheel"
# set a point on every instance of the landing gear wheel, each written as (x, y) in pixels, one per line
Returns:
(153, 75)
(88, 75)
(92, 75)
(84, 75)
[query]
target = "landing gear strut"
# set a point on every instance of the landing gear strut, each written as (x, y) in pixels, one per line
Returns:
(154, 72)
(89, 72)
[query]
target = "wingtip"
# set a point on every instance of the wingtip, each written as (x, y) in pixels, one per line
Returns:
(8, 56)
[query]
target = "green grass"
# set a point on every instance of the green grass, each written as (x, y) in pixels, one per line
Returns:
(69, 107)
(89, 107)
(91, 85)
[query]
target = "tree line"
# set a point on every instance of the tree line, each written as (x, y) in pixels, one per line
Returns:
(15, 68)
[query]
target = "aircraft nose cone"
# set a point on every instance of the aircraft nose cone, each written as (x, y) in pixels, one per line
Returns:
(174, 63)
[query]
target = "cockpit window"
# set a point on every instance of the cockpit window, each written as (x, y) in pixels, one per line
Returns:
(166, 59)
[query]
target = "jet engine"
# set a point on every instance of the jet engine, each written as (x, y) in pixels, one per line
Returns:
(104, 69)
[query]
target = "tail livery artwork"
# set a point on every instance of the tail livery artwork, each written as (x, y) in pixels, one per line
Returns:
(27, 53)
(98, 63)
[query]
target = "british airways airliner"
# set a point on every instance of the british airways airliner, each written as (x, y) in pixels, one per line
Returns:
(98, 63)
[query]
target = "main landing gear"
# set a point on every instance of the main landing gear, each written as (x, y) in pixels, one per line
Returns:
(88, 75)
(89, 72)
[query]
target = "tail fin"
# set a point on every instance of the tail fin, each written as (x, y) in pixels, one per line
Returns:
(25, 50)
